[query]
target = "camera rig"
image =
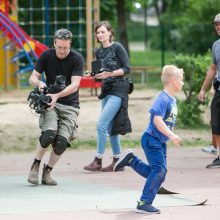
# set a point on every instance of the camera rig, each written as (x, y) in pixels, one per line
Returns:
(38, 100)
(98, 66)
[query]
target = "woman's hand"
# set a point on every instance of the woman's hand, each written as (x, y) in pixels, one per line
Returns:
(87, 74)
(103, 75)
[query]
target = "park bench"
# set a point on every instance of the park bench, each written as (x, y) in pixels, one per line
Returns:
(143, 70)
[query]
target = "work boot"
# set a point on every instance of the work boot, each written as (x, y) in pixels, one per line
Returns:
(109, 168)
(33, 175)
(46, 178)
(96, 165)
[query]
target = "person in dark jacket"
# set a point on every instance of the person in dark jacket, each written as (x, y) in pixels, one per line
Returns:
(114, 94)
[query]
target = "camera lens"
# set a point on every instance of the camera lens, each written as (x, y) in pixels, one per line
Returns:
(46, 99)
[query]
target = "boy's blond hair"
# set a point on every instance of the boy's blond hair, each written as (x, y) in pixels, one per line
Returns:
(169, 71)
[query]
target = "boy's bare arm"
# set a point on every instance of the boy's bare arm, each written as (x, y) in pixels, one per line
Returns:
(162, 127)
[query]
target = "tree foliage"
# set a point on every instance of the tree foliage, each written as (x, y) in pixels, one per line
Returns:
(191, 21)
(117, 12)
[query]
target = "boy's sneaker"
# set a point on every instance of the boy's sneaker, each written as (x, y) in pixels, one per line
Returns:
(210, 150)
(124, 160)
(143, 207)
(214, 164)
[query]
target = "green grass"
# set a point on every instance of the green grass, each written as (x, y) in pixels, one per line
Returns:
(149, 58)
(30, 146)
(91, 144)
(135, 143)
(19, 145)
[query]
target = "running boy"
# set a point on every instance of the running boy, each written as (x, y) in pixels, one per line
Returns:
(162, 119)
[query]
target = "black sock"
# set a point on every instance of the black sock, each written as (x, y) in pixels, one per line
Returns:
(37, 161)
(48, 168)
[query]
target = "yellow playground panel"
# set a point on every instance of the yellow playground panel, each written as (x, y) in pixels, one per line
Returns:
(8, 77)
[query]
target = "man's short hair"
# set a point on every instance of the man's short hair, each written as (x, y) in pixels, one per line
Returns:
(63, 34)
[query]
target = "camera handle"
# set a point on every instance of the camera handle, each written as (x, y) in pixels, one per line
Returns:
(95, 73)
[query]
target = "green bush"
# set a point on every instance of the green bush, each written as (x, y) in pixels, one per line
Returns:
(195, 67)
(189, 114)
(135, 31)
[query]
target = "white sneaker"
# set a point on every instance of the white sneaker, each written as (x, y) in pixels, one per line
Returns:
(210, 150)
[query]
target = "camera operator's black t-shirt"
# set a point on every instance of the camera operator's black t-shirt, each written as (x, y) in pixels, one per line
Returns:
(72, 65)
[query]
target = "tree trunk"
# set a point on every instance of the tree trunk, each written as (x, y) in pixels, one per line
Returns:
(121, 14)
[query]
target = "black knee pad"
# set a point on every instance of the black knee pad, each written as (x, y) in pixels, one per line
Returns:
(47, 137)
(60, 145)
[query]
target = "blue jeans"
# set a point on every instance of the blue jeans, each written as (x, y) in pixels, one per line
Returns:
(110, 106)
(155, 172)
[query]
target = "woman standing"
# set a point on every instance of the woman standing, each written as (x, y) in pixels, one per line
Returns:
(114, 94)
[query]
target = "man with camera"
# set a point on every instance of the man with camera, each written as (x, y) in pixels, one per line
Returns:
(58, 122)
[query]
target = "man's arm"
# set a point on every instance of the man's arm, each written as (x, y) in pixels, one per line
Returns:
(73, 87)
(34, 80)
(208, 81)
(162, 127)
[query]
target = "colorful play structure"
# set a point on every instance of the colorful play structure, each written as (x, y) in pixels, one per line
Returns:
(27, 28)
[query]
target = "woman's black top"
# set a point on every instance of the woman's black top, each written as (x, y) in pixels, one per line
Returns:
(114, 57)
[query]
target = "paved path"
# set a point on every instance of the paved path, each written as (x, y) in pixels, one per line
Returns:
(85, 195)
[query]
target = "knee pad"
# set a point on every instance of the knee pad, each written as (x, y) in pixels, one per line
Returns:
(60, 145)
(47, 137)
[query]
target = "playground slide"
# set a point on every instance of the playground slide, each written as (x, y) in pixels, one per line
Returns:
(18, 36)
(29, 47)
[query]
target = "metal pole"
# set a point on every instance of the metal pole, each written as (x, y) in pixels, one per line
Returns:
(88, 34)
(47, 25)
(6, 67)
(96, 17)
(145, 25)
(68, 14)
(15, 14)
(162, 45)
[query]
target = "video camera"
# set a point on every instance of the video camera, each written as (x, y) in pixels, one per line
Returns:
(38, 100)
(98, 66)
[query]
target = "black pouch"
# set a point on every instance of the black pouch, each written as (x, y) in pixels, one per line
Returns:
(216, 84)
(107, 85)
(131, 85)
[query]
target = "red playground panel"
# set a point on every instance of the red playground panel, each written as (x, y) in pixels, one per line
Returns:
(89, 82)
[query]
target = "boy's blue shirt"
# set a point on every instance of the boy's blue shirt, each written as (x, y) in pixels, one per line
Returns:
(164, 106)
